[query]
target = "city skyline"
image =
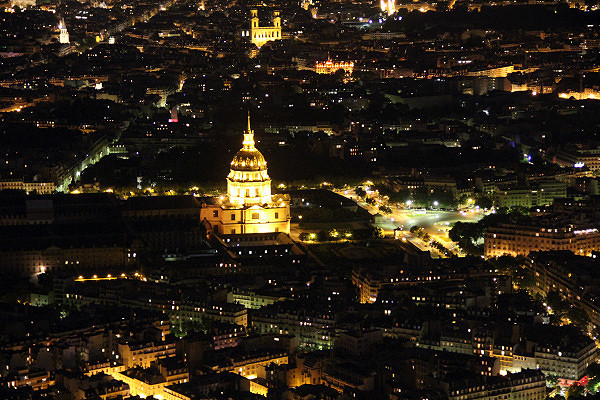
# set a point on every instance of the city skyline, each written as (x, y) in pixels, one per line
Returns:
(311, 199)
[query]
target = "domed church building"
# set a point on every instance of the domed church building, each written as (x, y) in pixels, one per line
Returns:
(249, 206)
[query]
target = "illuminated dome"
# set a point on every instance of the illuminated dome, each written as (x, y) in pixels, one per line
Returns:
(248, 182)
(248, 160)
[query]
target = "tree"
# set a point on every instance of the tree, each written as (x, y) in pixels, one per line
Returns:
(414, 229)
(559, 306)
(484, 201)
(182, 328)
(385, 209)
(593, 373)
(377, 233)
(578, 317)
(322, 236)
(552, 380)
(575, 391)
(334, 234)
(360, 192)
(455, 234)
(465, 233)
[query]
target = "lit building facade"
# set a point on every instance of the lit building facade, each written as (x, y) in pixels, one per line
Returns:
(329, 66)
(528, 384)
(567, 362)
(142, 354)
(249, 366)
(249, 206)
(313, 328)
(537, 194)
(569, 276)
(259, 35)
(147, 382)
(29, 187)
(578, 158)
(513, 240)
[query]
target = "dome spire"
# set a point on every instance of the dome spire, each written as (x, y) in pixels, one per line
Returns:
(249, 122)
(249, 136)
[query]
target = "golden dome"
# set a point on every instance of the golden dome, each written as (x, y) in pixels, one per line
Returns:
(248, 160)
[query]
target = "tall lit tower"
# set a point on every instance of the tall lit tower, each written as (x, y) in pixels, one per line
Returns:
(388, 6)
(63, 37)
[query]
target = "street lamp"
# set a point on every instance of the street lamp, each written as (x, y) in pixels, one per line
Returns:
(408, 202)
(436, 203)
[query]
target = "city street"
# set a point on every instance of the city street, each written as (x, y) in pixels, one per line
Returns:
(436, 223)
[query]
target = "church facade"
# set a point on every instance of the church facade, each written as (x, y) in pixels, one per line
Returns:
(249, 206)
(261, 34)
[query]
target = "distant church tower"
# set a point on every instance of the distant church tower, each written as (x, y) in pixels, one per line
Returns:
(259, 35)
(388, 6)
(63, 37)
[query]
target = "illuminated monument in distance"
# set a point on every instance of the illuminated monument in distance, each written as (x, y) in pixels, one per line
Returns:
(329, 67)
(63, 36)
(248, 182)
(388, 6)
(259, 35)
(249, 206)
